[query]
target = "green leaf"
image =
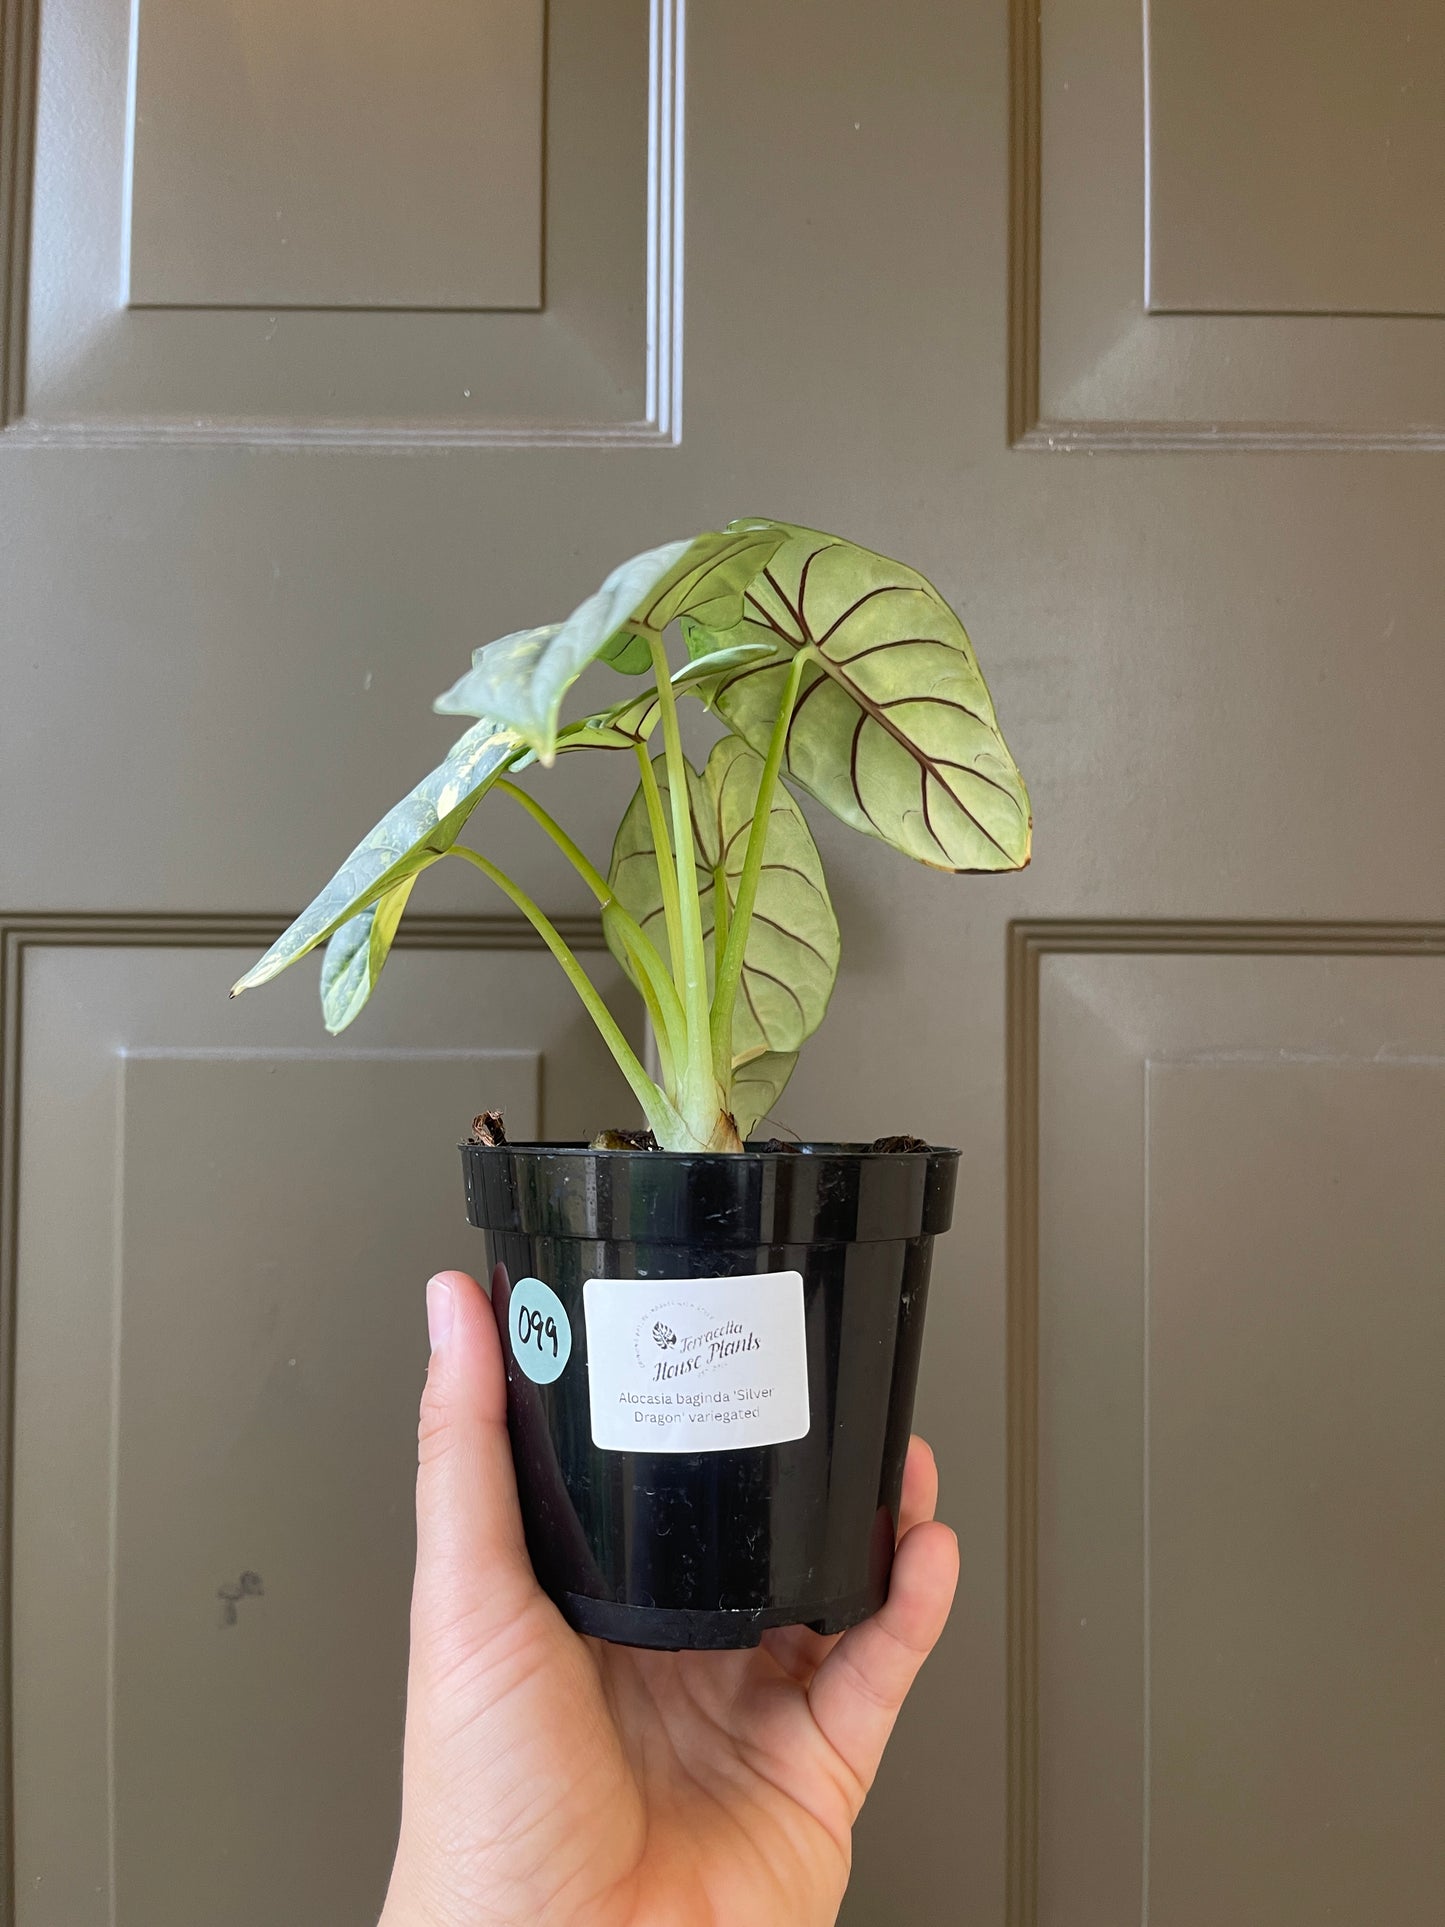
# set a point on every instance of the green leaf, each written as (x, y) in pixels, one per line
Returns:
(523, 678)
(710, 583)
(627, 652)
(422, 827)
(355, 955)
(626, 724)
(714, 662)
(757, 1086)
(894, 729)
(623, 726)
(523, 645)
(792, 954)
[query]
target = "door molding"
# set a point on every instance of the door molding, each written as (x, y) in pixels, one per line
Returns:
(661, 319)
(19, 25)
(1029, 941)
(1028, 426)
(21, 932)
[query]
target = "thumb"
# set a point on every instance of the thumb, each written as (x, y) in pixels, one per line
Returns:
(472, 1569)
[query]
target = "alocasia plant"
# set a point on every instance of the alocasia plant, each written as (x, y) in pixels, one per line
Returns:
(830, 666)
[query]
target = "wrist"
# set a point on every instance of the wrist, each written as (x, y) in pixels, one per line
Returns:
(407, 1906)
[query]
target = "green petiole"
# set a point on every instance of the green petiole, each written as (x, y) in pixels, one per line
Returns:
(664, 1006)
(699, 1091)
(661, 1115)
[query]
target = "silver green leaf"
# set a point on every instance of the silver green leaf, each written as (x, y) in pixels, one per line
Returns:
(718, 661)
(353, 959)
(627, 652)
(757, 1086)
(523, 646)
(422, 827)
(792, 953)
(523, 678)
(626, 724)
(893, 729)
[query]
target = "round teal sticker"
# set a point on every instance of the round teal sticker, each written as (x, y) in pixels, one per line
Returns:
(540, 1330)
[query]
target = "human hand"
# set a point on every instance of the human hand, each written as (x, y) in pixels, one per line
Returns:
(557, 1781)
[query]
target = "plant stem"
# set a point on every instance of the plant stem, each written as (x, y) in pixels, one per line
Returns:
(729, 968)
(721, 912)
(663, 1118)
(698, 1092)
(663, 1003)
(578, 858)
(662, 844)
(665, 1042)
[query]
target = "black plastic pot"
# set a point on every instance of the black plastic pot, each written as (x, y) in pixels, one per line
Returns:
(711, 1364)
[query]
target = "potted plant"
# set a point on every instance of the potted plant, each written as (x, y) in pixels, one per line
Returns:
(711, 1346)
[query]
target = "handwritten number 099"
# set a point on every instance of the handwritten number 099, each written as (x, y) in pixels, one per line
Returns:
(531, 1325)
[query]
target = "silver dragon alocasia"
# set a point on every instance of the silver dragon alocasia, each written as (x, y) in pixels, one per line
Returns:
(832, 669)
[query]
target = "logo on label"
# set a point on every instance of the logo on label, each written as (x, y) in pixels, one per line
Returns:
(688, 1341)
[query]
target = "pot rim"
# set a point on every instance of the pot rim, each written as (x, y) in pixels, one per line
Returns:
(579, 1147)
(844, 1193)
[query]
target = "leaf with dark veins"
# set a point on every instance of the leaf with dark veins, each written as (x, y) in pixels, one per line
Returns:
(521, 679)
(792, 953)
(626, 724)
(757, 1085)
(893, 728)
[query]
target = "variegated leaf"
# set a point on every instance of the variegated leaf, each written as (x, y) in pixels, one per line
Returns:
(422, 827)
(893, 729)
(353, 959)
(524, 645)
(629, 723)
(523, 678)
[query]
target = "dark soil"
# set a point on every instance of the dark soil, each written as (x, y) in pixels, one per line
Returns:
(488, 1129)
(623, 1141)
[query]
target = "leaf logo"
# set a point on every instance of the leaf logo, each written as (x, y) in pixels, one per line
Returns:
(664, 1336)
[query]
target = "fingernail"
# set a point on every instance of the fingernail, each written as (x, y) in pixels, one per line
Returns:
(439, 1309)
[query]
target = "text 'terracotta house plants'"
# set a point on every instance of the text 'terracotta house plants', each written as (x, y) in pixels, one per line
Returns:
(711, 1350)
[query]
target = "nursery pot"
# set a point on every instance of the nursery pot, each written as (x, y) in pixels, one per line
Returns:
(711, 1363)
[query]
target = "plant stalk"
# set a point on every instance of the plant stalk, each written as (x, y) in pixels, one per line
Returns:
(655, 1013)
(664, 1005)
(660, 1113)
(699, 1093)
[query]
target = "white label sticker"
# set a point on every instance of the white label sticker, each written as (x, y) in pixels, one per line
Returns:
(696, 1364)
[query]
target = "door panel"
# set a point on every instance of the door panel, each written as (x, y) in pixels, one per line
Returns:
(223, 1222)
(1294, 158)
(337, 204)
(319, 225)
(1192, 268)
(241, 548)
(1231, 1437)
